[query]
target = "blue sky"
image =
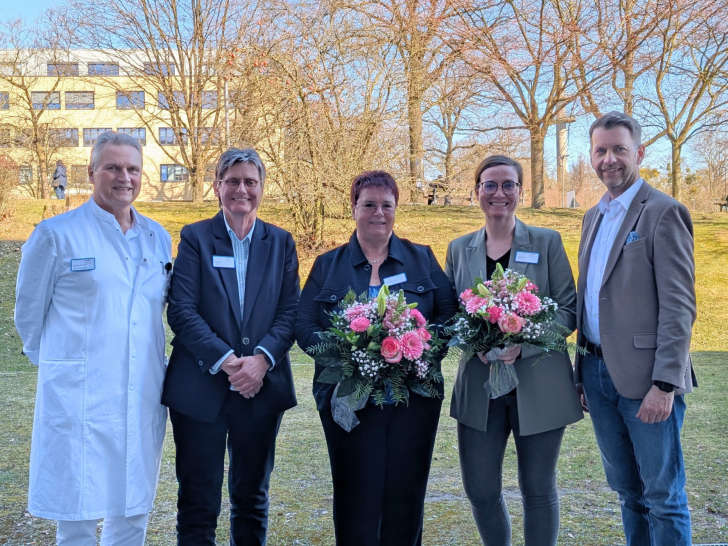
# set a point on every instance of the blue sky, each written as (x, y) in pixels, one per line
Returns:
(27, 9)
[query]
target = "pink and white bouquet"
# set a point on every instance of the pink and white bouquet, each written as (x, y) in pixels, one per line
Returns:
(380, 348)
(502, 311)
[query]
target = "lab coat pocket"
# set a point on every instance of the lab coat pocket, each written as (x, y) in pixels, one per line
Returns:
(60, 398)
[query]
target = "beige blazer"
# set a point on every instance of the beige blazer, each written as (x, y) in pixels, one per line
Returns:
(647, 298)
(547, 398)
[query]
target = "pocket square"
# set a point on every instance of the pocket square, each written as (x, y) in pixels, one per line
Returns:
(632, 237)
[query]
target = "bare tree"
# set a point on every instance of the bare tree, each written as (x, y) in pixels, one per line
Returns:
(690, 79)
(32, 123)
(173, 50)
(526, 49)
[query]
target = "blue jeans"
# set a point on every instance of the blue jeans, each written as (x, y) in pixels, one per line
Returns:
(643, 463)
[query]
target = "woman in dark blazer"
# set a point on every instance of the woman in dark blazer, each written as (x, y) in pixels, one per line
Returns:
(545, 401)
(380, 468)
(232, 308)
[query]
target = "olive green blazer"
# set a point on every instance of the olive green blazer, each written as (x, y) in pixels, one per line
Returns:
(547, 397)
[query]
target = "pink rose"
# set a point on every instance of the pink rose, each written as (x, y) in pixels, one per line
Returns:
(527, 303)
(494, 313)
(360, 324)
(424, 334)
(391, 350)
(412, 346)
(419, 318)
(510, 323)
(467, 295)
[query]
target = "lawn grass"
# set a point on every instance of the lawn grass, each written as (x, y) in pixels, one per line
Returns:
(301, 486)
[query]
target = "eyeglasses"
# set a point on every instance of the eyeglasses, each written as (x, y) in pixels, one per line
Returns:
(370, 208)
(233, 183)
(489, 188)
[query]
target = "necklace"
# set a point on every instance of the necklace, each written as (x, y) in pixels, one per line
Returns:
(377, 260)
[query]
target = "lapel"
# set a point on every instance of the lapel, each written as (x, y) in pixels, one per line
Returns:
(475, 256)
(224, 247)
(257, 265)
(633, 214)
(521, 241)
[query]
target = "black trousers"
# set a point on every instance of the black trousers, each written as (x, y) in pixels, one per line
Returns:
(380, 471)
(200, 460)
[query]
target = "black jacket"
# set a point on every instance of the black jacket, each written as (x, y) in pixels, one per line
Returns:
(204, 314)
(335, 272)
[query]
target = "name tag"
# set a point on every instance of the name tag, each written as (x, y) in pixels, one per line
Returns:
(395, 279)
(526, 257)
(225, 262)
(83, 264)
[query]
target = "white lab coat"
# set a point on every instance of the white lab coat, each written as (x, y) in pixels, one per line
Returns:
(98, 339)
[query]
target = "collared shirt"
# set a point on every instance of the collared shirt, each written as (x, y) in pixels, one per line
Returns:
(241, 251)
(614, 211)
(131, 237)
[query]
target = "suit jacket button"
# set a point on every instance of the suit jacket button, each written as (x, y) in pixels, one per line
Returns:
(420, 288)
(245, 341)
(200, 362)
(333, 297)
(367, 267)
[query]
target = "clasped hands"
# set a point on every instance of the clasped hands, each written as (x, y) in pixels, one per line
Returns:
(508, 356)
(246, 373)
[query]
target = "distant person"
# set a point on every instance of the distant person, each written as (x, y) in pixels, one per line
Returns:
(232, 308)
(635, 312)
(60, 180)
(545, 401)
(89, 311)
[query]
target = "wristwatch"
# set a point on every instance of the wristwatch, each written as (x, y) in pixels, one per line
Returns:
(664, 386)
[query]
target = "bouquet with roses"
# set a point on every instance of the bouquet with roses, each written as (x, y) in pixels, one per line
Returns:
(377, 348)
(503, 311)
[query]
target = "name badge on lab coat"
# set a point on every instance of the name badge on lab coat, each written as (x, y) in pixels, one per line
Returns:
(83, 264)
(224, 262)
(527, 257)
(395, 279)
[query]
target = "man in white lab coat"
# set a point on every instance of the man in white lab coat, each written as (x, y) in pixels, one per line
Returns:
(89, 311)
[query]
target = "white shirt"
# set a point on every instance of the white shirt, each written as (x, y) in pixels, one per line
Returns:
(614, 211)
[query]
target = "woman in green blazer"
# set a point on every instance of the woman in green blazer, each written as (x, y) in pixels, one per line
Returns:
(545, 401)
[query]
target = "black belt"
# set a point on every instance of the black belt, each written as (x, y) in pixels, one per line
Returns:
(595, 350)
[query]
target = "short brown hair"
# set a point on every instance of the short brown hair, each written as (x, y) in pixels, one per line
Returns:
(373, 179)
(495, 161)
(618, 119)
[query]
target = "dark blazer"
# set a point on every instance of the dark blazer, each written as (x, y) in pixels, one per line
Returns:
(647, 303)
(547, 397)
(335, 272)
(204, 314)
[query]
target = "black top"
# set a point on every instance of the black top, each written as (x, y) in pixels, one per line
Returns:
(345, 267)
(490, 263)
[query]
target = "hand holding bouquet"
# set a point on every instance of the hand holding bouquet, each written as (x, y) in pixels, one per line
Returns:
(377, 348)
(498, 313)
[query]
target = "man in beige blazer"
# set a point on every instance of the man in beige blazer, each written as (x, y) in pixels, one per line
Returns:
(635, 311)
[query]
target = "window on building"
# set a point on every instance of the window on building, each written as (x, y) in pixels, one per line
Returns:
(63, 69)
(177, 96)
(129, 100)
(90, 136)
(63, 138)
(44, 100)
(25, 175)
(7, 136)
(208, 136)
(159, 69)
(103, 69)
(174, 173)
(79, 100)
(139, 133)
(208, 100)
(167, 136)
(4, 100)
(8, 69)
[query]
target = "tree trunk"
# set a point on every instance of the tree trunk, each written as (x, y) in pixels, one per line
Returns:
(45, 190)
(416, 153)
(676, 171)
(197, 180)
(537, 196)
